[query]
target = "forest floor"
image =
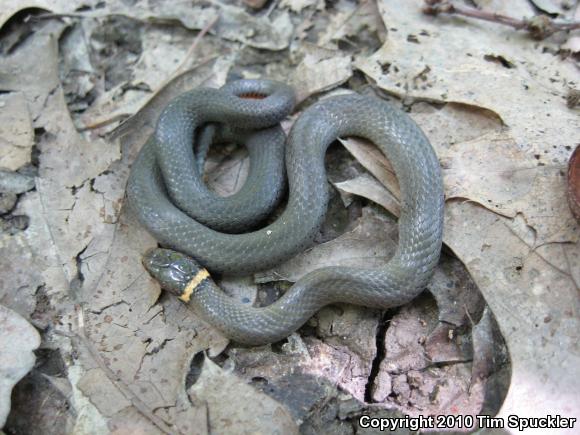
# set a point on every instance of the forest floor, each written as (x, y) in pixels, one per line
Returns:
(90, 344)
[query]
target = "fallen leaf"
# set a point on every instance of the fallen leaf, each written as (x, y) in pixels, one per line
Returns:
(368, 187)
(67, 156)
(350, 20)
(534, 301)
(374, 161)
(14, 182)
(235, 407)
(298, 5)
(84, 248)
(447, 65)
(17, 341)
(370, 245)
(16, 132)
(20, 279)
(320, 71)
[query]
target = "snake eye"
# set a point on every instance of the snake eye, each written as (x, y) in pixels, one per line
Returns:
(156, 260)
(160, 261)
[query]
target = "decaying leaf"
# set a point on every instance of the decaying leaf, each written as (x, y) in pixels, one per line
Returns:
(320, 71)
(248, 413)
(138, 361)
(368, 187)
(67, 156)
(20, 279)
(352, 19)
(298, 5)
(235, 24)
(80, 240)
(17, 341)
(370, 245)
(16, 134)
(183, 56)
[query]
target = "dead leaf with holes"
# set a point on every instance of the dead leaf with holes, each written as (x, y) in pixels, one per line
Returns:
(512, 162)
(86, 249)
(494, 108)
(262, 32)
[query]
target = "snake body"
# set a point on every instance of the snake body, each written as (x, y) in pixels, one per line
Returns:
(168, 158)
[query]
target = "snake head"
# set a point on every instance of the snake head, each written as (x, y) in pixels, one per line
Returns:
(174, 271)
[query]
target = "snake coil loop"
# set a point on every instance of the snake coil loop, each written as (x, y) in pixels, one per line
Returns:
(166, 193)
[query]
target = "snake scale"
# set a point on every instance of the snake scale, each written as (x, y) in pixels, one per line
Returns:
(166, 193)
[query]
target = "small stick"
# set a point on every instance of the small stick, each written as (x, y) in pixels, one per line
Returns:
(539, 27)
(190, 53)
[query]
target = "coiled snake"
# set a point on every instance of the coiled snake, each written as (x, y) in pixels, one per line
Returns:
(167, 195)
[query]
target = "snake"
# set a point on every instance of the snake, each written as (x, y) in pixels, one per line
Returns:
(166, 175)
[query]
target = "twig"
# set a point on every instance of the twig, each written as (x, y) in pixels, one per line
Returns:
(273, 6)
(539, 26)
(190, 53)
(349, 17)
(182, 69)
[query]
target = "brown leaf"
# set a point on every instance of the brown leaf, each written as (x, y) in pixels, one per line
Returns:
(17, 341)
(16, 132)
(370, 244)
(375, 162)
(368, 187)
(320, 71)
(237, 407)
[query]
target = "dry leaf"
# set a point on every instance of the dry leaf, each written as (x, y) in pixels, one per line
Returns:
(17, 341)
(235, 407)
(298, 5)
(351, 20)
(431, 60)
(368, 187)
(320, 72)
(374, 161)
(83, 247)
(67, 156)
(530, 282)
(16, 133)
(370, 245)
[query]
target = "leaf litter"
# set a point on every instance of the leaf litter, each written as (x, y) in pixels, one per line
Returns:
(494, 108)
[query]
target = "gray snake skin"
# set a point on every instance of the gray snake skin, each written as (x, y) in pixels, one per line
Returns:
(253, 109)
